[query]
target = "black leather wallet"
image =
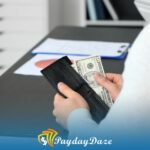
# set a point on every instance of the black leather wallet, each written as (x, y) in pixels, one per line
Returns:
(62, 71)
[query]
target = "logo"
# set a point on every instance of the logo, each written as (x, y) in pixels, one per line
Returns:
(47, 137)
(50, 137)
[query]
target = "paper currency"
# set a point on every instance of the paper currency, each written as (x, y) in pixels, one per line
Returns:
(87, 68)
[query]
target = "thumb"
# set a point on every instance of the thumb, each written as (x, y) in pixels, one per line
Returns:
(104, 82)
(66, 90)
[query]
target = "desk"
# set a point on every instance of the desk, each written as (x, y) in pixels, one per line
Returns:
(26, 102)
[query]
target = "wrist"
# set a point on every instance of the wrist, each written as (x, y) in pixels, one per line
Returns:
(76, 116)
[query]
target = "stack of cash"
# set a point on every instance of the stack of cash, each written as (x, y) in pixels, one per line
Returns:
(87, 68)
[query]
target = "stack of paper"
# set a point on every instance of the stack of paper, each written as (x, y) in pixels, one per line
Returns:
(82, 48)
(53, 49)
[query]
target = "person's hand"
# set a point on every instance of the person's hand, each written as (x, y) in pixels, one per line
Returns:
(64, 106)
(112, 82)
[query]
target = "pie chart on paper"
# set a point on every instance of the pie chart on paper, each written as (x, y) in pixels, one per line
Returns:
(44, 63)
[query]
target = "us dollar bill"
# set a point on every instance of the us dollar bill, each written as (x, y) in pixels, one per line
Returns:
(87, 68)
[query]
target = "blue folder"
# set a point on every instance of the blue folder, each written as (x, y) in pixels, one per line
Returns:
(100, 9)
(91, 10)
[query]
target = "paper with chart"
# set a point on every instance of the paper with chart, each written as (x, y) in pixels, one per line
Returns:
(83, 48)
(39, 62)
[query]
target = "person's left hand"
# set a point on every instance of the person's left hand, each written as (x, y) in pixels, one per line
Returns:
(64, 106)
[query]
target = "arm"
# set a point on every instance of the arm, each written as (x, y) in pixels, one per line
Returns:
(130, 111)
(76, 112)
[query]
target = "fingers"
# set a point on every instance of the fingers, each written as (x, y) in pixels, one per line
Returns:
(110, 76)
(55, 114)
(58, 99)
(104, 82)
(66, 90)
(115, 78)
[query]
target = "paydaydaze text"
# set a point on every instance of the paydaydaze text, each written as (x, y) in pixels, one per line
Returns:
(83, 142)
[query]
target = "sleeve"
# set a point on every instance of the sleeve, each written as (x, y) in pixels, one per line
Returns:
(130, 113)
(79, 122)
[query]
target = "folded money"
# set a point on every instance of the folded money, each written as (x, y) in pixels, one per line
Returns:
(87, 68)
(80, 80)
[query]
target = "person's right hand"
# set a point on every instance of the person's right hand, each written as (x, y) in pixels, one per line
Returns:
(112, 82)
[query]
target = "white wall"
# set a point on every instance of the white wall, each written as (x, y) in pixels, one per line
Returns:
(24, 23)
(67, 12)
(27, 21)
(55, 13)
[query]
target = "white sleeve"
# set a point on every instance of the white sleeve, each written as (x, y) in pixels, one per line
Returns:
(131, 110)
(79, 122)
